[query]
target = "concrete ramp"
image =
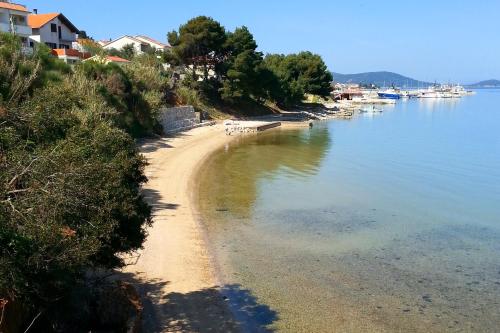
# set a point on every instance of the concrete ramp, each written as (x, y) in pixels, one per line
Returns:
(247, 126)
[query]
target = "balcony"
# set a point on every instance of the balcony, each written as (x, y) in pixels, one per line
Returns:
(21, 30)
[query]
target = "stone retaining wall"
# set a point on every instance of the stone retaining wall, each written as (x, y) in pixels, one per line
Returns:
(177, 119)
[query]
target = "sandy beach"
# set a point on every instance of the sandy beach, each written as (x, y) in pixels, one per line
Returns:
(173, 272)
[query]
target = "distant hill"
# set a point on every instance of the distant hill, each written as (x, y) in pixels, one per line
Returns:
(485, 84)
(380, 79)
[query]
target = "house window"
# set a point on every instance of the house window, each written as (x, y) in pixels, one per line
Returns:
(53, 27)
(60, 32)
(51, 45)
(36, 31)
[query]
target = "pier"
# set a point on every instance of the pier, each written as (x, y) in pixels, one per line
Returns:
(248, 126)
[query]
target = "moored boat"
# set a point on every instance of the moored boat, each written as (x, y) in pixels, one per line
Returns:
(389, 94)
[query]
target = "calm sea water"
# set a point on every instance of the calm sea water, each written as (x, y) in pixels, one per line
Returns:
(382, 223)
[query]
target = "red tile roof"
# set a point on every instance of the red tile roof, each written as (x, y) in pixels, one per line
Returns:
(13, 6)
(36, 21)
(116, 59)
(70, 53)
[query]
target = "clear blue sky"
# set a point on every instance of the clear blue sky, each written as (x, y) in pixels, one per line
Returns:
(441, 40)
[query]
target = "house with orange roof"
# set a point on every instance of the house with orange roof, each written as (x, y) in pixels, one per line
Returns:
(70, 56)
(14, 19)
(52, 29)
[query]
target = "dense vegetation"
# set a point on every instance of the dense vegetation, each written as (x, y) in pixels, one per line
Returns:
(135, 91)
(226, 66)
(70, 175)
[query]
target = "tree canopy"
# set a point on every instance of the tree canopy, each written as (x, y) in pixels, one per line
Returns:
(199, 42)
(240, 72)
(241, 68)
(299, 74)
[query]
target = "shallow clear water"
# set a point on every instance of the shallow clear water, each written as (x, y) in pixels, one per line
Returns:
(383, 223)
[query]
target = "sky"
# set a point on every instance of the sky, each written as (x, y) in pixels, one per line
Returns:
(440, 40)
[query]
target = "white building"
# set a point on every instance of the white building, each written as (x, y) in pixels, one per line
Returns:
(14, 19)
(119, 43)
(54, 30)
(159, 46)
(140, 44)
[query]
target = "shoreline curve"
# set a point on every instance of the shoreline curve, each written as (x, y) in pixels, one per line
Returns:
(175, 271)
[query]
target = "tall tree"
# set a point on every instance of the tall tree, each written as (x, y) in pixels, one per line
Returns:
(299, 74)
(314, 73)
(241, 66)
(199, 43)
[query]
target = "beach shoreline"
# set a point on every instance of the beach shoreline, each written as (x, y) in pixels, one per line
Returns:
(175, 273)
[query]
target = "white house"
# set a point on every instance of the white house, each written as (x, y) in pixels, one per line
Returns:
(119, 43)
(159, 46)
(140, 44)
(14, 19)
(54, 30)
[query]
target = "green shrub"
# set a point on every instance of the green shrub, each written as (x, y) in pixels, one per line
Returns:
(70, 180)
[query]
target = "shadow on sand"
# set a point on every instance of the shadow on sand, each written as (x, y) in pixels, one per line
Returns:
(150, 145)
(155, 200)
(229, 308)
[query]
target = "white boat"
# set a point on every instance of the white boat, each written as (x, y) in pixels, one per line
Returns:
(446, 95)
(458, 91)
(429, 93)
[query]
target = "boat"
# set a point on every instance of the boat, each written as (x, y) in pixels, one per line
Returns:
(447, 95)
(389, 94)
(430, 93)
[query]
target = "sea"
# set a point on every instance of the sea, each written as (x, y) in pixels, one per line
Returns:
(387, 222)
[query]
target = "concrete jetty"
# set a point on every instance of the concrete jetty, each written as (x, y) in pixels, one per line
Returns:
(248, 126)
